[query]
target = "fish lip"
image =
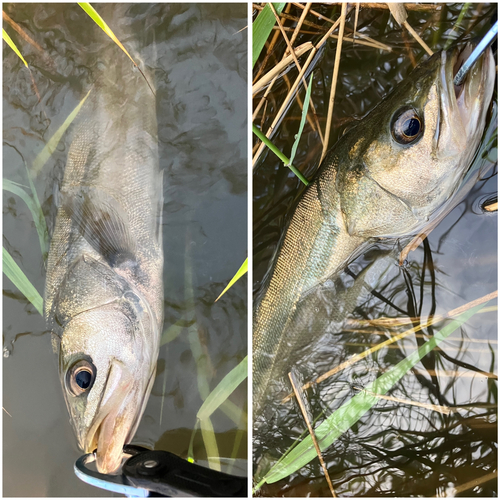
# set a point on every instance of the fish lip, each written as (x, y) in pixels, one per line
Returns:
(474, 88)
(88, 442)
(110, 459)
(111, 439)
(102, 432)
(115, 425)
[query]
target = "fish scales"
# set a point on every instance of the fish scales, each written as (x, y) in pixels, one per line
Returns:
(315, 245)
(104, 287)
(385, 179)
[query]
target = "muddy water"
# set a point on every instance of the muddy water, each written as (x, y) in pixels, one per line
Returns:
(395, 449)
(201, 106)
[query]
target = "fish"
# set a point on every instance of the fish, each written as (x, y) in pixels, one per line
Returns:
(385, 179)
(104, 288)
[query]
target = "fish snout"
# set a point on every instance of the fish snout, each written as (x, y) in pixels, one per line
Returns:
(474, 93)
(117, 417)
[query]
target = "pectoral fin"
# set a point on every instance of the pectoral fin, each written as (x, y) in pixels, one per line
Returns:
(101, 221)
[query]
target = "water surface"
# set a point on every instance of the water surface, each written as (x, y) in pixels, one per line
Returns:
(200, 75)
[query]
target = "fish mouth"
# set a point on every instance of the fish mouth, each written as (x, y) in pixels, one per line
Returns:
(459, 58)
(476, 86)
(115, 421)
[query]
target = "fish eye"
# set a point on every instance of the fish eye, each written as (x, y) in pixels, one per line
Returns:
(80, 377)
(406, 126)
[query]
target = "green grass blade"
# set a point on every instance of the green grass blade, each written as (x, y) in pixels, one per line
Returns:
(203, 375)
(15, 274)
(224, 389)
(50, 147)
(202, 366)
(92, 13)
(241, 271)
(12, 45)
(279, 154)
(232, 411)
(203, 372)
(163, 392)
(236, 446)
(102, 24)
(302, 120)
(41, 218)
(210, 442)
(173, 331)
(261, 28)
(350, 412)
(190, 452)
(456, 26)
(35, 209)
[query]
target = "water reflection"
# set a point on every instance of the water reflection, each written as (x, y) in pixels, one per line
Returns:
(402, 446)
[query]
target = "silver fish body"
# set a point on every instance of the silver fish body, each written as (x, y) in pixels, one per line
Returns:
(104, 287)
(378, 182)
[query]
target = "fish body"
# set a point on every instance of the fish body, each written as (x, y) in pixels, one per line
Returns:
(104, 288)
(386, 178)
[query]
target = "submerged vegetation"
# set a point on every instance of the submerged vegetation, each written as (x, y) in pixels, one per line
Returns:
(385, 402)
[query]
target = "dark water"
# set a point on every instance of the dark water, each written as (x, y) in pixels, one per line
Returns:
(200, 76)
(395, 449)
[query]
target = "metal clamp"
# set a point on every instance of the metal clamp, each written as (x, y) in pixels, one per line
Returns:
(476, 54)
(161, 473)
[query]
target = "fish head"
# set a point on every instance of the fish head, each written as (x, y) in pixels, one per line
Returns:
(409, 155)
(107, 364)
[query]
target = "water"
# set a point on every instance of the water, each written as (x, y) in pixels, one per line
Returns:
(395, 449)
(201, 108)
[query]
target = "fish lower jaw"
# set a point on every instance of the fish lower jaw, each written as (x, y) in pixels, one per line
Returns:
(106, 442)
(105, 465)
